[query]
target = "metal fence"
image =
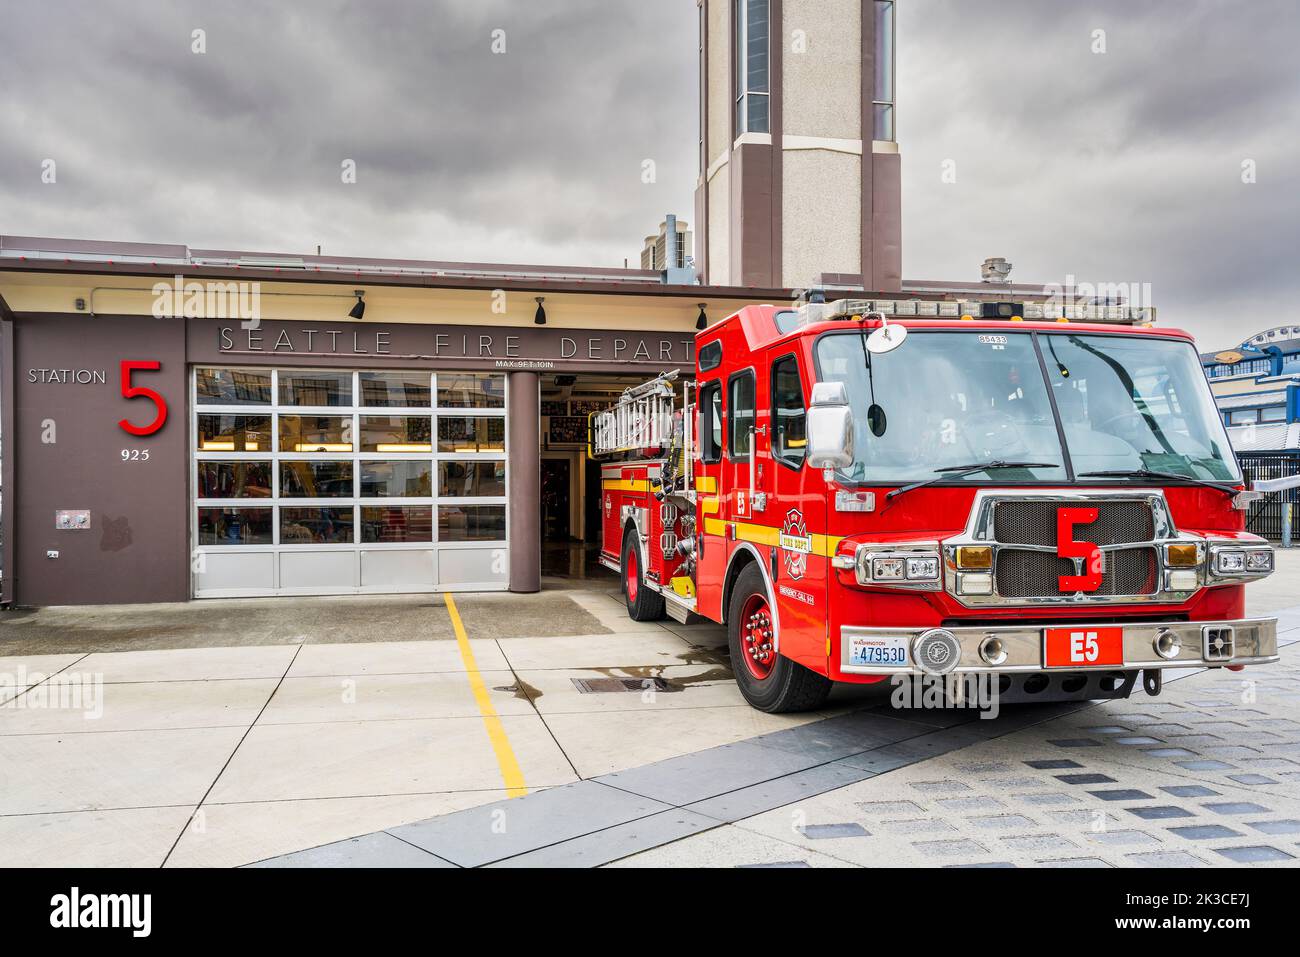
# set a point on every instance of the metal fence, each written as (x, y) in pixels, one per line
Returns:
(1265, 516)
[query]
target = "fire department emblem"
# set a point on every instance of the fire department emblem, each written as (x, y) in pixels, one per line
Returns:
(796, 543)
(609, 504)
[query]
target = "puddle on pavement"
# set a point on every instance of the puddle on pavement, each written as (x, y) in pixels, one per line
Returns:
(656, 673)
(521, 690)
(639, 677)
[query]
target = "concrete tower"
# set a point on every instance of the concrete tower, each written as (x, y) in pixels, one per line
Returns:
(799, 166)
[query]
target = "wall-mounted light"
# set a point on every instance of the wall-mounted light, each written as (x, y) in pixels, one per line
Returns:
(358, 310)
(539, 316)
(702, 322)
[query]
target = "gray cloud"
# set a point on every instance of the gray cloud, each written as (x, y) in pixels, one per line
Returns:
(1124, 166)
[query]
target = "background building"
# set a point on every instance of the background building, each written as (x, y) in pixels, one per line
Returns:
(1257, 389)
(671, 248)
(799, 172)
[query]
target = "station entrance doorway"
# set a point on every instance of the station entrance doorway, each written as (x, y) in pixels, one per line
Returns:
(570, 481)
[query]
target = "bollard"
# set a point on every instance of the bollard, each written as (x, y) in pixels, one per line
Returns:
(1286, 524)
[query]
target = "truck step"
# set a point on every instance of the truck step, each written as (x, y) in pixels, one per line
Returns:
(679, 609)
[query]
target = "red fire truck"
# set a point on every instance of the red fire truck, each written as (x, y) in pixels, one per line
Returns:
(869, 488)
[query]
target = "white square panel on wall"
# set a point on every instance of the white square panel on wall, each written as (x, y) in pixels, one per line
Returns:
(397, 569)
(485, 565)
(231, 571)
(318, 569)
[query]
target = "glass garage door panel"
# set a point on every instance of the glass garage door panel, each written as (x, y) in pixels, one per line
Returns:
(336, 482)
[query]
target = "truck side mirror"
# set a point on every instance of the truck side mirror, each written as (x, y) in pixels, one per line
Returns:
(830, 427)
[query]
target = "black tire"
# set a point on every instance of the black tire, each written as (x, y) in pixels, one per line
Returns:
(789, 686)
(642, 603)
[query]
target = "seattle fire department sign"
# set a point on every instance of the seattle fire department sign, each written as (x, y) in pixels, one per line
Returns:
(795, 543)
(516, 347)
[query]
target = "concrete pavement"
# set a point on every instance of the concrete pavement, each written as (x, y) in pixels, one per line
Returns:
(227, 755)
(358, 717)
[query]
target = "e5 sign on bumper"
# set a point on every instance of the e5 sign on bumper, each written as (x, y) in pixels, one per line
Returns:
(1082, 647)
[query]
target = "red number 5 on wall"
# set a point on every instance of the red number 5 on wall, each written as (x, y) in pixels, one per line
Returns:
(130, 391)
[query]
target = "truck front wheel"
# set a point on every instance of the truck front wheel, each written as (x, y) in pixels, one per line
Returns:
(642, 603)
(767, 681)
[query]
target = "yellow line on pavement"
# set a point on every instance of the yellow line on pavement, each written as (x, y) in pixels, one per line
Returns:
(510, 771)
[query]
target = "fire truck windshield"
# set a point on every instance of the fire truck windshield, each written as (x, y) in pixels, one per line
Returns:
(950, 399)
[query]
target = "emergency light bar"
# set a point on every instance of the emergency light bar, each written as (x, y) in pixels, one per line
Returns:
(978, 309)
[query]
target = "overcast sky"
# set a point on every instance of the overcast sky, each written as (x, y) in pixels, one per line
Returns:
(1122, 166)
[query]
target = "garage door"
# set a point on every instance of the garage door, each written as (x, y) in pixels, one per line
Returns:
(325, 482)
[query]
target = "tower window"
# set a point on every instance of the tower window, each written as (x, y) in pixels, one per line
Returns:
(752, 56)
(883, 100)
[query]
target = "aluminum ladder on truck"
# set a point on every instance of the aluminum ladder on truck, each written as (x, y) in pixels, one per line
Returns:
(642, 419)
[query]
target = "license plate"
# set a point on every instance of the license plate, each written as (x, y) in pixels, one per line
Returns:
(888, 651)
(1082, 647)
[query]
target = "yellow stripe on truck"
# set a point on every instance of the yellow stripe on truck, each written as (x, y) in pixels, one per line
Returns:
(823, 545)
(620, 485)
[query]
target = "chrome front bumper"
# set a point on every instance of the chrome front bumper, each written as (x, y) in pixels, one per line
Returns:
(1254, 642)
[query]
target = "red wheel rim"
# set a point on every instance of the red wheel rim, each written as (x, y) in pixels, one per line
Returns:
(630, 574)
(756, 645)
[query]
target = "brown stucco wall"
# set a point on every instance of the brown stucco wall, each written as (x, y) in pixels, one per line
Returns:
(137, 545)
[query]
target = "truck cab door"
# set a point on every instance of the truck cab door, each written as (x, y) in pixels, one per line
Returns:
(741, 448)
(796, 507)
(711, 527)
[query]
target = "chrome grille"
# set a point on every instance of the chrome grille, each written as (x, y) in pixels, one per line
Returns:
(1026, 574)
(1034, 522)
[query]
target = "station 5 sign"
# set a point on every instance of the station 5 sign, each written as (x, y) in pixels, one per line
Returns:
(130, 391)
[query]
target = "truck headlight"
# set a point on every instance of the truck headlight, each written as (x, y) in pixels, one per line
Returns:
(1241, 562)
(1229, 561)
(887, 569)
(904, 566)
(923, 569)
(1259, 560)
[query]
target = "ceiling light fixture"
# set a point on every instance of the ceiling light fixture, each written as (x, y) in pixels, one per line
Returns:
(539, 316)
(358, 310)
(703, 321)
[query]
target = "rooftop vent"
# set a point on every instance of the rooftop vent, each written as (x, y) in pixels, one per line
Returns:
(995, 269)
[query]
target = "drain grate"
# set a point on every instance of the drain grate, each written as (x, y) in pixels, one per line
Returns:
(606, 685)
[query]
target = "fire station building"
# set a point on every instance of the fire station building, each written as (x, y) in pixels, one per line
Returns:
(182, 423)
(158, 446)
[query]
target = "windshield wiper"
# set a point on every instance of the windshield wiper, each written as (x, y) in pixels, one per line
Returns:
(1163, 476)
(957, 471)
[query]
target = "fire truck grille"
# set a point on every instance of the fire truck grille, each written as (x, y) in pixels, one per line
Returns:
(1034, 523)
(1025, 574)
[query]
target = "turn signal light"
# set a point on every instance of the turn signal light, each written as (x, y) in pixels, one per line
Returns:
(1181, 556)
(975, 556)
